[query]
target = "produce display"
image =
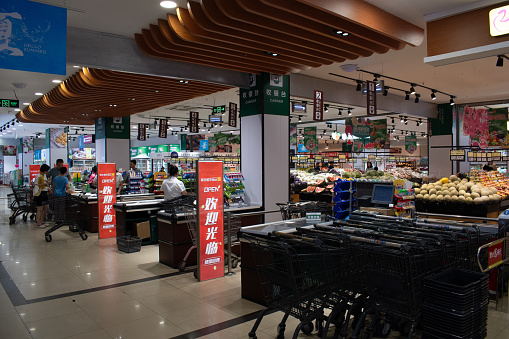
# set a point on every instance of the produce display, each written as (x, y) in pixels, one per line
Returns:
(317, 183)
(493, 179)
(405, 173)
(457, 190)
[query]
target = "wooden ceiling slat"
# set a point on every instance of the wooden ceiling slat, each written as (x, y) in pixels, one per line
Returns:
(88, 94)
(215, 14)
(354, 43)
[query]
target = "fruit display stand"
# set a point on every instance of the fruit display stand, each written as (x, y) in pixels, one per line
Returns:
(459, 197)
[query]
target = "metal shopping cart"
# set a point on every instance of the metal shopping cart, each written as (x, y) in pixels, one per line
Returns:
(21, 203)
(66, 210)
(299, 209)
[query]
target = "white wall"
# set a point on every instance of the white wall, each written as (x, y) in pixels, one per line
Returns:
(172, 139)
(251, 158)
(9, 163)
(118, 152)
(100, 150)
(57, 153)
(28, 159)
(440, 164)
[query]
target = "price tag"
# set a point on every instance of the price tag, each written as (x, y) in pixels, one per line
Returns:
(378, 158)
(457, 155)
(371, 156)
(352, 160)
(365, 160)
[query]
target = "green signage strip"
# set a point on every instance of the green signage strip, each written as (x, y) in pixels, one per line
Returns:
(268, 93)
(219, 109)
(9, 103)
(112, 128)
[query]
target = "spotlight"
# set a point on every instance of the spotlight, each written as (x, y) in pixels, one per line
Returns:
(401, 132)
(406, 121)
(417, 96)
(324, 132)
(452, 100)
(340, 112)
(407, 95)
(359, 86)
(406, 133)
(433, 95)
(500, 61)
(402, 120)
(392, 120)
(412, 89)
(385, 92)
(349, 111)
(300, 118)
(326, 108)
(417, 124)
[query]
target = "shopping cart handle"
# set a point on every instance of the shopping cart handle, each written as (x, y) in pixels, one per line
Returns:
(293, 236)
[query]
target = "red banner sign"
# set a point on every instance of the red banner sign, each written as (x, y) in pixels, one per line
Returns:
(34, 169)
(232, 115)
(496, 256)
(163, 128)
(193, 122)
(210, 216)
(318, 106)
(142, 132)
(371, 97)
(106, 197)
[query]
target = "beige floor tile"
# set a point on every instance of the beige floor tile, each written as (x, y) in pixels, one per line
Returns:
(154, 268)
(111, 276)
(239, 331)
(114, 314)
(37, 274)
(166, 302)
(47, 309)
(99, 299)
(5, 304)
(11, 326)
(153, 327)
(62, 326)
(197, 316)
(98, 334)
(147, 289)
(44, 288)
(235, 304)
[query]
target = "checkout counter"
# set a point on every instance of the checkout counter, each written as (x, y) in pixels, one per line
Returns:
(132, 212)
(89, 213)
(175, 239)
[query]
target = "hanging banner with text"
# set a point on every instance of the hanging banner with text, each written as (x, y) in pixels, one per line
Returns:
(268, 93)
(232, 115)
(318, 106)
(34, 169)
(210, 218)
(106, 197)
(498, 126)
(310, 142)
(371, 97)
(193, 122)
(377, 135)
(410, 143)
(142, 132)
(163, 128)
(33, 37)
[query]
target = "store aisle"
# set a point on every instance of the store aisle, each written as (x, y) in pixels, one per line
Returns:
(71, 288)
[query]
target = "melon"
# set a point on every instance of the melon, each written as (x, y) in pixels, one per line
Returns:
(447, 198)
(469, 200)
(417, 190)
(440, 198)
(426, 196)
(433, 197)
(467, 195)
(423, 192)
(485, 199)
(469, 184)
(419, 196)
(446, 192)
(453, 178)
(497, 197)
(440, 193)
(477, 200)
(462, 192)
(463, 188)
(454, 193)
(444, 180)
(438, 183)
(456, 199)
(475, 195)
(493, 190)
(485, 192)
(432, 191)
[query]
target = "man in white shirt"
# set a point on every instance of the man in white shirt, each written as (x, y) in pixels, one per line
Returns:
(172, 187)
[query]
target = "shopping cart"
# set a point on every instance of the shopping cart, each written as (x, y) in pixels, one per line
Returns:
(66, 210)
(299, 209)
(189, 212)
(20, 202)
(300, 276)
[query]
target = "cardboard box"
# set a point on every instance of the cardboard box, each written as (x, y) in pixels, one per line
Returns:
(143, 229)
(384, 211)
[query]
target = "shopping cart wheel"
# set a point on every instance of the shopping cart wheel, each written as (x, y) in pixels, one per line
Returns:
(182, 266)
(307, 328)
(84, 236)
(32, 217)
(47, 237)
(12, 220)
(25, 218)
(195, 273)
(404, 327)
(235, 262)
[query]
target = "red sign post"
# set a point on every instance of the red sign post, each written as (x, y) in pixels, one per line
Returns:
(210, 220)
(106, 197)
(34, 169)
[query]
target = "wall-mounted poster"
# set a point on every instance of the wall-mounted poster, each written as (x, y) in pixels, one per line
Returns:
(28, 145)
(9, 150)
(476, 125)
(58, 138)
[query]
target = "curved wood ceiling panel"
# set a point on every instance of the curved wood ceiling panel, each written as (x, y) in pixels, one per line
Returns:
(276, 36)
(93, 93)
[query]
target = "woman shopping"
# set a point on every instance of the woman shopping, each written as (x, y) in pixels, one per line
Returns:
(41, 190)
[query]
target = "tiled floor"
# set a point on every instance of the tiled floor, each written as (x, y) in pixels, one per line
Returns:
(160, 308)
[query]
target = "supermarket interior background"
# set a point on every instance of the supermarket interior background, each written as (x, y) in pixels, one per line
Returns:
(361, 122)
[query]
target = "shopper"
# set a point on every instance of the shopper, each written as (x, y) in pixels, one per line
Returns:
(490, 166)
(41, 195)
(92, 177)
(172, 187)
(132, 165)
(369, 165)
(60, 187)
(162, 170)
(55, 171)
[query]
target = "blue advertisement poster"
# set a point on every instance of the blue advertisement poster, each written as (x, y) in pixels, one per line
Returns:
(32, 37)
(204, 145)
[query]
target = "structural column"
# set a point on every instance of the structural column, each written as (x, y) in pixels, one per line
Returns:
(265, 129)
(112, 141)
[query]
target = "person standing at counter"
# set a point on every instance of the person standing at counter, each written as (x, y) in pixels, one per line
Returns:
(41, 195)
(55, 171)
(173, 187)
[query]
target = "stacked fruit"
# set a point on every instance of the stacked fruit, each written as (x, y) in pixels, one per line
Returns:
(493, 179)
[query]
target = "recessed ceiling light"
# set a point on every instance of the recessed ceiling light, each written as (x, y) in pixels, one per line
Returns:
(168, 4)
(56, 81)
(20, 125)
(38, 93)
(26, 103)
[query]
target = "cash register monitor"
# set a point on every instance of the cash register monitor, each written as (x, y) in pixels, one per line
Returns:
(382, 195)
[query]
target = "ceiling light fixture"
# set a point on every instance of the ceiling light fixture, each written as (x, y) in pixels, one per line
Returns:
(349, 111)
(433, 95)
(168, 4)
(26, 103)
(76, 66)
(500, 60)
(407, 95)
(412, 89)
(340, 112)
(402, 119)
(326, 108)
(417, 96)
(392, 120)
(39, 93)
(452, 100)
(359, 86)
(385, 92)
(300, 118)
(56, 81)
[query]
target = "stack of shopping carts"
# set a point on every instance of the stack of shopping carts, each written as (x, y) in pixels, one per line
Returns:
(368, 268)
(299, 209)
(21, 203)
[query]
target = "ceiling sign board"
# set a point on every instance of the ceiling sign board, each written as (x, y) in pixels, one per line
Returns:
(163, 128)
(193, 122)
(232, 115)
(9, 103)
(499, 21)
(219, 109)
(142, 132)
(318, 106)
(371, 97)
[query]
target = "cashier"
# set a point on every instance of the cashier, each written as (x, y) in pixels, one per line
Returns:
(173, 187)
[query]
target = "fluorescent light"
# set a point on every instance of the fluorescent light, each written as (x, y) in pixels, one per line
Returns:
(76, 66)
(20, 125)
(168, 4)
(39, 93)
(26, 103)
(17, 110)
(56, 81)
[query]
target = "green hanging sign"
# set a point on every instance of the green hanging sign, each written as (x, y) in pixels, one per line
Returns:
(268, 93)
